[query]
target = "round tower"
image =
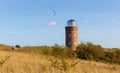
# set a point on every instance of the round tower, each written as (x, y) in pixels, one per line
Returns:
(71, 35)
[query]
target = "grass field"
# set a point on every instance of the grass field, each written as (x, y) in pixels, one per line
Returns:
(18, 62)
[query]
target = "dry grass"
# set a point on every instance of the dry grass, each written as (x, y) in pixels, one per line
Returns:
(4, 47)
(38, 63)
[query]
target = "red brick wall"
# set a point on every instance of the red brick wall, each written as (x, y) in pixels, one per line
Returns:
(71, 37)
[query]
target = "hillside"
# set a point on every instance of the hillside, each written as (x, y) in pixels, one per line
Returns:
(17, 62)
(3, 46)
(88, 58)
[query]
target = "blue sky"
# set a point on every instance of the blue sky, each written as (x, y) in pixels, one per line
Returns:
(42, 22)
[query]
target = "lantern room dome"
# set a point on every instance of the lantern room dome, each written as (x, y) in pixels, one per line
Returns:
(71, 22)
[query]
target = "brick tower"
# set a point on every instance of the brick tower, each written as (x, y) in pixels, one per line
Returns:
(71, 35)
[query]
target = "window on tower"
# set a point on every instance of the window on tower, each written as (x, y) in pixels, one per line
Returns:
(69, 43)
(69, 35)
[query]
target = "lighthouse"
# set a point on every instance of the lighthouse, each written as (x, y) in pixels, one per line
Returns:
(71, 33)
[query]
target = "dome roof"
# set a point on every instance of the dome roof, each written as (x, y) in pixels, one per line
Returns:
(71, 22)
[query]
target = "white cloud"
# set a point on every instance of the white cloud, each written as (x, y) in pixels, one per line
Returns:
(50, 24)
(53, 23)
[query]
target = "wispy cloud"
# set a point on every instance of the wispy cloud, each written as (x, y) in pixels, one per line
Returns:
(50, 24)
(53, 23)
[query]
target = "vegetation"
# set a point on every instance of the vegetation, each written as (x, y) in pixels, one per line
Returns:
(2, 61)
(90, 51)
(19, 62)
(87, 51)
(60, 59)
(17, 46)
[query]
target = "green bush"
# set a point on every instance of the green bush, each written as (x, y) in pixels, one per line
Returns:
(61, 51)
(90, 51)
(17, 46)
(112, 56)
(57, 50)
(46, 50)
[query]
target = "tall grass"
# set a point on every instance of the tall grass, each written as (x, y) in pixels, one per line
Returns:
(3, 60)
(38, 63)
(60, 59)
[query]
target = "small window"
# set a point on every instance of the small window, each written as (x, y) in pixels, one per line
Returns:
(69, 35)
(69, 43)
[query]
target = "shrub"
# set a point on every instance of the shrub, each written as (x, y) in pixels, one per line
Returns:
(89, 51)
(61, 51)
(112, 56)
(46, 50)
(57, 50)
(17, 46)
